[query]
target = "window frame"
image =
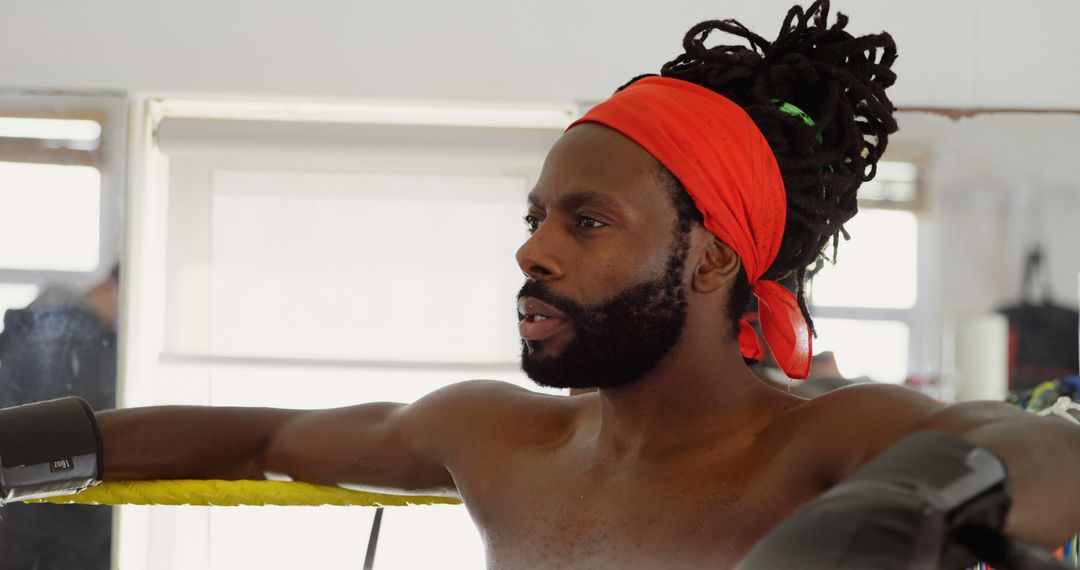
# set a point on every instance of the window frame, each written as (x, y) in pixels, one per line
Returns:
(108, 109)
(924, 336)
(151, 374)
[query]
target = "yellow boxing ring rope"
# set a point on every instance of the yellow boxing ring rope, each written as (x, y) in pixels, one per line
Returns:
(236, 493)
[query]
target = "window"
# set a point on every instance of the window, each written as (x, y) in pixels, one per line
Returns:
(313, 256)
(60, 191)
(865, 306)
(53, 212)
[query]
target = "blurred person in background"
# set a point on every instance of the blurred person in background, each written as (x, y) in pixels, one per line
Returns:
(62, 344)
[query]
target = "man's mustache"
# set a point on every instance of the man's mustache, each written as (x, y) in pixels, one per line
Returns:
(541, 292)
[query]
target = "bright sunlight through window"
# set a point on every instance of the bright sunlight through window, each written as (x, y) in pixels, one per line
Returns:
(877, 267)
(49, 216)
(874, 349)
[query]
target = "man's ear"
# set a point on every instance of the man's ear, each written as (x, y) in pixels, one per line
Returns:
(717, 267)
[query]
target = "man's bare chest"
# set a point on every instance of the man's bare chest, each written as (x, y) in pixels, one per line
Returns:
(566, 511)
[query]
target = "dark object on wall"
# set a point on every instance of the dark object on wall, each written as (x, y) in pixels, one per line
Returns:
(1044, 342)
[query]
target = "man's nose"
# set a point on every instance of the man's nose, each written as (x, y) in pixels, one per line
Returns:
(538, 257)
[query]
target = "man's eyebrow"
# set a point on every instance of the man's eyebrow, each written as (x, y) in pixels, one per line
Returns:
(574, 199)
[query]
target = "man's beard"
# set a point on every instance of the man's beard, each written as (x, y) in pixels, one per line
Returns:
(617, 341)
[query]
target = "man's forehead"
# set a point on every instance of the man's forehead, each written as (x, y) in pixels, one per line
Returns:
(592, 163)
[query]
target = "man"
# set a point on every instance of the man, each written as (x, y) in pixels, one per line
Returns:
(653, 222)
(64, 343)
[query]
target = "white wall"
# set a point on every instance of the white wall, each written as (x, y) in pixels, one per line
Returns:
(996, 185)
(955, 52)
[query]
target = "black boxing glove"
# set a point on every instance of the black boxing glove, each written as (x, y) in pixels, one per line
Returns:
(48, 448)
(912, 507)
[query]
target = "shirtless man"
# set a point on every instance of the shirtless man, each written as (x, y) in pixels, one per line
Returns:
(636, 279)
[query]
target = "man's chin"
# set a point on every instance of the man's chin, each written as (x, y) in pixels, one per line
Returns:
(551, 373)
(560, 383)
(543, 367)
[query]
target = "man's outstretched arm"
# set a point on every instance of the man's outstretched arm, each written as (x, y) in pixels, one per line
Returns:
(188, 442)
(382, 445)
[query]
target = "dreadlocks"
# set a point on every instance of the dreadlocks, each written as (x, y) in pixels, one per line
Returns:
(839, 81)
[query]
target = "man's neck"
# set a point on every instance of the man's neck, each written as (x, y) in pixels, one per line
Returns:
(689, 397)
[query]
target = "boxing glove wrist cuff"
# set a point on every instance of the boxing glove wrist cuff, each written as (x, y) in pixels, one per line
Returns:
(949, 473)
(48, 448)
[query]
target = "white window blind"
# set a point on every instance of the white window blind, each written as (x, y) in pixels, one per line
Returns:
(339, 265)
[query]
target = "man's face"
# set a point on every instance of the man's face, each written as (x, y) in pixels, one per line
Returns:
(605, 301)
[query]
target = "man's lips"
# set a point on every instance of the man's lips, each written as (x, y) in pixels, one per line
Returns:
(538, 320)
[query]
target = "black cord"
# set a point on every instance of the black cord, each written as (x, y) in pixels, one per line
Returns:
(1002, 552)
(373, 540)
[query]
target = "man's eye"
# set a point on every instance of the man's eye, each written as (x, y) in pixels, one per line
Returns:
(533, 222)
(590, 223)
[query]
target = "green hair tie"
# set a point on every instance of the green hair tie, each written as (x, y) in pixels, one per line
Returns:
(796, 112)
(799, 113)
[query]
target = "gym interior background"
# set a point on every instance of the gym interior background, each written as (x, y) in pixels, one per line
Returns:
(293, 190)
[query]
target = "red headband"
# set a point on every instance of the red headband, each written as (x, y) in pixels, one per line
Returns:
(718, 154)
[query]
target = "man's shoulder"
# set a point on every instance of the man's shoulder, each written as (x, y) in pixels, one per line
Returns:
(491, 395)
(889, 400)
(869, 405)
(493, 410)
(844, 428)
